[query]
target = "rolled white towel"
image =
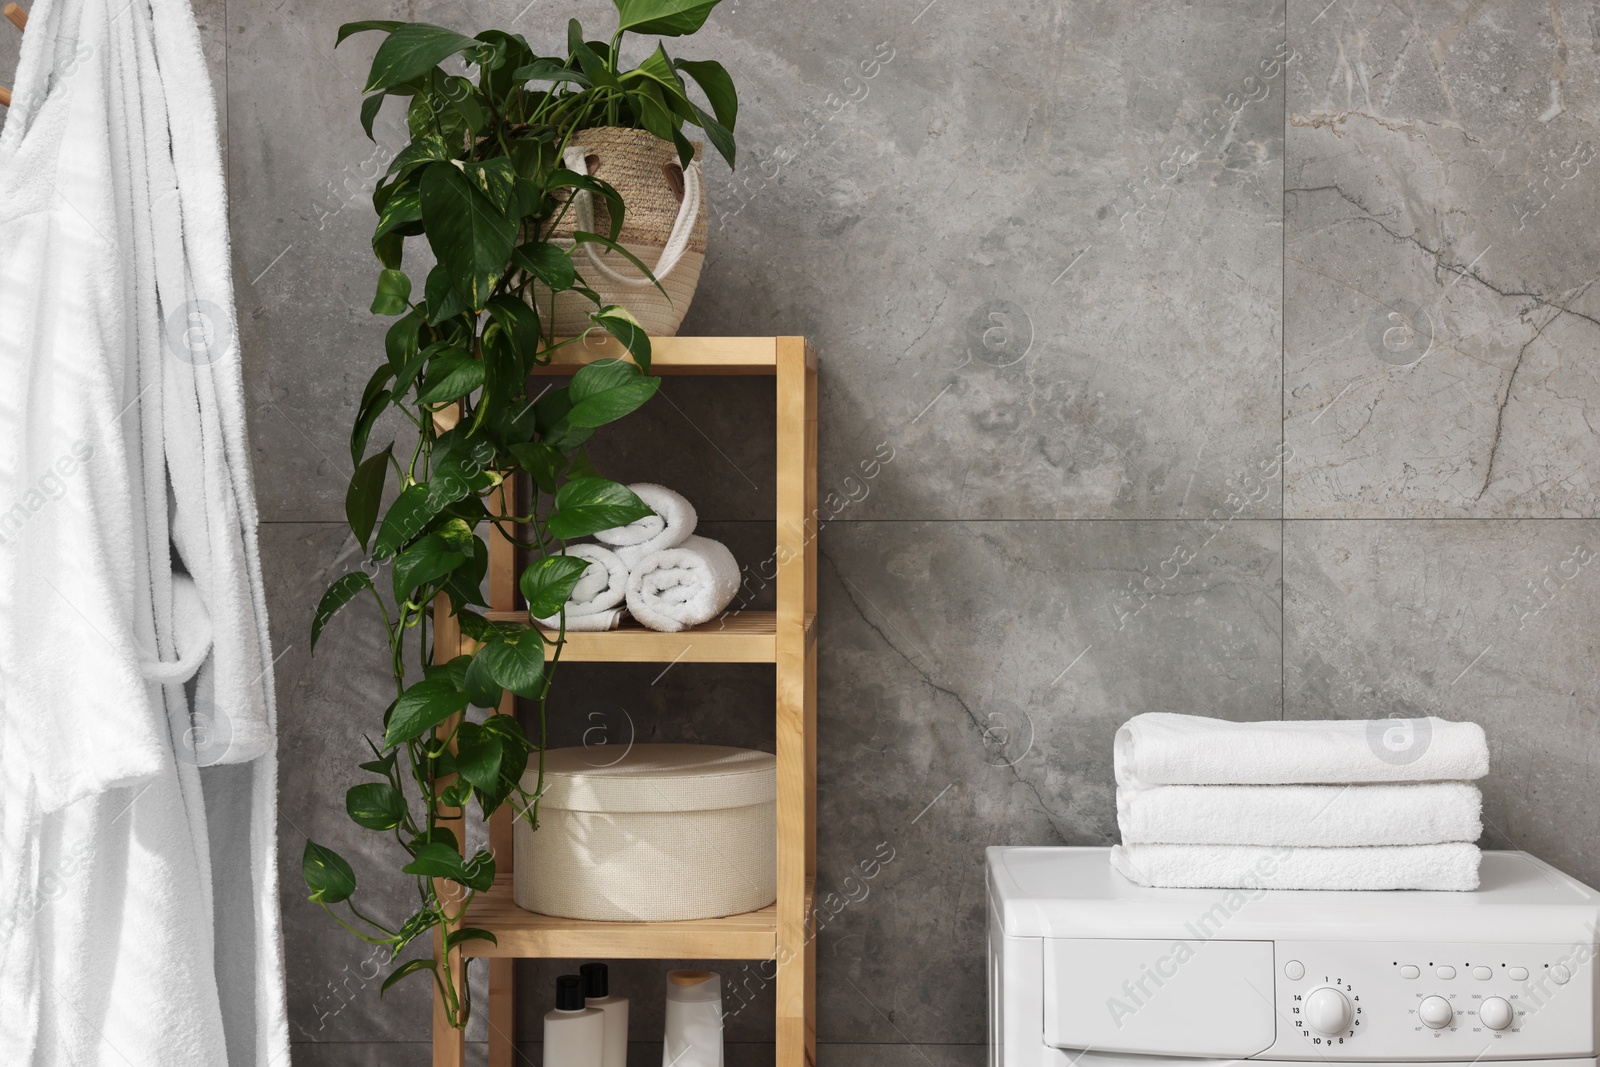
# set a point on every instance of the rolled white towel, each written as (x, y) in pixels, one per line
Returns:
(1161, 748)
(673, 521)
(594, 603)
(1442, 867)
(680, 587)
(1425, 813)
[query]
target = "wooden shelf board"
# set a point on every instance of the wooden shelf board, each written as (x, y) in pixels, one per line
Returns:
(675, 355)
(528, 935)
(744, 637)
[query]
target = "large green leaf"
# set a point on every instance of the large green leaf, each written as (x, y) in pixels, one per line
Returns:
(440, 293)
(327, 875)
(394, 293)
(714, 82)
(482, 690)
(588, 505)
(496, 179)
(663, 18)
(411, 49)
(607, 390)
(406, 518)
(619, 323)
(470, 236)
(720, 136)
(365, 495)
(400, 343)
(468, 933)
(442, 861)
(374, 400)
(419, 709)
(406, 970)
(516, 663)
(451, 376)
(478, 756)
(594, 66)
(548, 263)
(547, 583)
(427, 559)
(654, 114)
(401, 208)
(375, 805)
(369, 112)
(338, 595)
(544, 463)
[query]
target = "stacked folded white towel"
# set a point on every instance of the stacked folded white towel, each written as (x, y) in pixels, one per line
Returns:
(1319, 804)
(669, 578)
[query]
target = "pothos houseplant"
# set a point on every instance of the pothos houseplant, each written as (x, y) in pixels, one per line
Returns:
(482, 181)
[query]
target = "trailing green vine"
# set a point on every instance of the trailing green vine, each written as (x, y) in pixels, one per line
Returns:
(483, 183)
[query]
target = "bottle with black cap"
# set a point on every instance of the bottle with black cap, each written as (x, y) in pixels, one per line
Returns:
(574, 1035)
(597, 994)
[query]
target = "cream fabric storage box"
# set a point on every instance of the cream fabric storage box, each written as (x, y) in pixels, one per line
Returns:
(665, 832)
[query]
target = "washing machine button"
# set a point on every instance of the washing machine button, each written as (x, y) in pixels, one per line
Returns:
(1294, 970)
(1560, 974)
(1410, 970)
(1446, 973)
(1495, 1013)
(1482, 974)
(1518, 974)
(1436, 1012)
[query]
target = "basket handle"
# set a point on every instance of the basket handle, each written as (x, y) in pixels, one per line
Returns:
(576, 159)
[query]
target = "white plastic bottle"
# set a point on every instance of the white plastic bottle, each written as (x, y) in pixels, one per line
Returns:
(694, 1020)
(574, 1035)
(597, 994)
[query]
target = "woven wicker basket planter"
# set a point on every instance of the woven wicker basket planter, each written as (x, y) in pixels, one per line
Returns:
(664, 225)
(666, 832)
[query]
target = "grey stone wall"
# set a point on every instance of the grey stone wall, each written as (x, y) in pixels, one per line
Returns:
(1233, 360)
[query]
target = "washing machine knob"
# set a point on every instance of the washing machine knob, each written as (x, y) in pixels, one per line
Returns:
(1436, 1013)
(1495, 1013)
(1328, 1011)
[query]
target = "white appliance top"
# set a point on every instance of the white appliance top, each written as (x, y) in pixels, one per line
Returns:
(1073, 892)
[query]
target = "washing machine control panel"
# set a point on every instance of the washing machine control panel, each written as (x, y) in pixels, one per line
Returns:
(1348, 1000)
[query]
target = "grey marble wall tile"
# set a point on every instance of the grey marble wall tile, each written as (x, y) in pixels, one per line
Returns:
(972, 676)
(1486, 621)
(999, 250)
(325, 704)
(1439, 314)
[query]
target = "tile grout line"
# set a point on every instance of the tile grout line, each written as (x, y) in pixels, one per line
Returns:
(1283, 384)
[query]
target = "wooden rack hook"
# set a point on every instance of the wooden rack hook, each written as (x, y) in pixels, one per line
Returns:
(19, 19)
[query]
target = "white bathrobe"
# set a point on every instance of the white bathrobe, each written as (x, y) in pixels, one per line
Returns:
(138, 882)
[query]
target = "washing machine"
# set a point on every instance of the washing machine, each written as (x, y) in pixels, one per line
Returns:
(1087, 968)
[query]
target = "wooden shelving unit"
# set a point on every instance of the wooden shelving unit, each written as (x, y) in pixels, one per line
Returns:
(785, 638)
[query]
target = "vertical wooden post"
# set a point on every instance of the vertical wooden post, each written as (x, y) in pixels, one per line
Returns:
(502, 596)
(796, 1027)
(449, 1044)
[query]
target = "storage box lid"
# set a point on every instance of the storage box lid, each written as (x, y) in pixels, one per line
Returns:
(661, 778)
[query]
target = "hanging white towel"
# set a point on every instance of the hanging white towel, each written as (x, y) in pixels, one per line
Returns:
(685, 586)
(1442, 867)
(594, 603)
(1424, 813)
(1161, 748)
(674, 520)
(138, 876)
